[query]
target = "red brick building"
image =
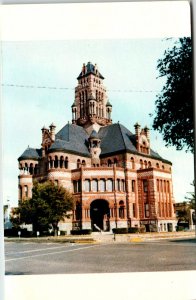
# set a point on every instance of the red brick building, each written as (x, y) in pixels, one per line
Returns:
(116, 178)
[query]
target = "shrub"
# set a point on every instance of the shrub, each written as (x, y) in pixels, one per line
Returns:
(179, 228)
(142, 229)
(120, 230)
(133, 230)
(81, 231)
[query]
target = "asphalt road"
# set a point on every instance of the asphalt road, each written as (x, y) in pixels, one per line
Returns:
(50, 258)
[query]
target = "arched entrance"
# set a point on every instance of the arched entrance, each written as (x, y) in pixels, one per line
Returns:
(100, 214)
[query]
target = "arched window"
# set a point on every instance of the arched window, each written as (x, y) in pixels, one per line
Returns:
(149, 164)
(31, 169)
(109, 163)
(116, 162)
(157, 165)
(56, 162)
(132, 163)
(121, 210)
(84, 163)
(36, 169)
(26, 167)
(145, 164)
(61, 162)
(141, 164)
(66, 162)
(78, 163)
(26, 191)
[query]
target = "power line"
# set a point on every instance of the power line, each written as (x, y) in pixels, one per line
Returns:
(66, 88)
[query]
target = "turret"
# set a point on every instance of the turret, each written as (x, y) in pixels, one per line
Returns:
(52, 132)
(94, 147)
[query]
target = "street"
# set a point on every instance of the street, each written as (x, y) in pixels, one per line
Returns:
(25, 258)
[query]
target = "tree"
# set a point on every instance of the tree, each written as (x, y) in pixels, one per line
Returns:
(49, 205)
(191, 198)
(174, 105)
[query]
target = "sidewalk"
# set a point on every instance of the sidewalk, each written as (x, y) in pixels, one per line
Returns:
(107, 237)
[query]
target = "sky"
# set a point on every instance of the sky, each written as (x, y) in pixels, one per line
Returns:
(40, 64)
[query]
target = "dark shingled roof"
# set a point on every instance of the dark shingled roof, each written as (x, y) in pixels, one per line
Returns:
(90, 69)
(115, 138)
(71, 138)
(30, 153)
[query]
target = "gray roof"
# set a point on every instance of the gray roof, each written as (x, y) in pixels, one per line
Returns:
(30, 153)
(71, 138)
(115, 138)
(90, 69)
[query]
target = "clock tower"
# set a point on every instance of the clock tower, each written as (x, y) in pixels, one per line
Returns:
(91, 108)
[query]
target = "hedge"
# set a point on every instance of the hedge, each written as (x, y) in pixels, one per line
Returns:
(81, 231)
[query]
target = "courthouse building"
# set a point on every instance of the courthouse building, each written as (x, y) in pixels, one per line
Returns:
(116, 178)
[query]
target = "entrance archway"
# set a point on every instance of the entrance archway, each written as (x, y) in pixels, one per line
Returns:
(100, 214)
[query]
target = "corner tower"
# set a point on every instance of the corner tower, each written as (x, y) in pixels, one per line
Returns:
(91, 108)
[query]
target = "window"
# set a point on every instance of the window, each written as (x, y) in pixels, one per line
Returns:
(78, 163)
(157, 165)
(157, 185)
(26, 191)
(149, 164)
(87, 185)
(20, 193)
(110, 185)
(95, 185)
(147, 210)
(79, 186)
(121, 210)
(118, 184)
(145, 185)
(102, 185)
(75, 186)
(133, 186)
(61, 162)
(116, 162)
(132, 163)
(141, 164)
(145, 164)
(109, 163)
(134, 212)
(66, 163)
(56, 162)
(123, 185)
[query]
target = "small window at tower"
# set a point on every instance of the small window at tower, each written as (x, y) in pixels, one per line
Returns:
(145, 185)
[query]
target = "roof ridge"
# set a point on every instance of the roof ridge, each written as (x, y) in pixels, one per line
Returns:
(119, 125)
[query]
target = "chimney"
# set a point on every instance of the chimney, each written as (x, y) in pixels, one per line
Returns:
(52, 131)
(137, 134)
(147, 133)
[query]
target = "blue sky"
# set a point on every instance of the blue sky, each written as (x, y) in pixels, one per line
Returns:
(129, 68)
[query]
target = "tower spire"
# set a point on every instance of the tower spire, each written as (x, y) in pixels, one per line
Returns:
(91, 105)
